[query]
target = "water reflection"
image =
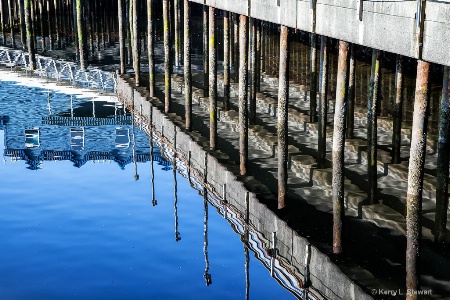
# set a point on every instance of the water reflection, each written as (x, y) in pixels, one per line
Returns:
(71, 132)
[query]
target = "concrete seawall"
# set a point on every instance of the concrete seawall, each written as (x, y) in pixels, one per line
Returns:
(326, 278)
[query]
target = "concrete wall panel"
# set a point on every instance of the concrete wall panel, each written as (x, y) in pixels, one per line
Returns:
(436, 37)
(235, 6)
(284, 14)
(304, 16)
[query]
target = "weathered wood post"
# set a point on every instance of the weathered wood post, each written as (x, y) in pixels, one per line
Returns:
(41, 25)
(187, 66)
(415, 179)
(397, 113)
(282, 126)
(205, 52)
(443, 160)
(351, 94)
(151, 48)
(177, 35)
(212, 81)
(122, 33)
(252, 62)
(259, 56)
(226, 60)
(30, 35)
(243, 95)
(338, 147)
(372, 108)
(236, 47)
(135, 41)
(49, 25)
(80, 30)
(167, 61)
(323, 102)
(313, 79)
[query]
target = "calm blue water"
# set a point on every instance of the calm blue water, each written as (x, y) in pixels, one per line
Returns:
(84, 228)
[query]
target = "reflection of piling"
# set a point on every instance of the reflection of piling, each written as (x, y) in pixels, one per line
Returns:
(415, 178)
(150, 48)
(212, 81)
(41, 25)
(2, 24)
(338, 148)
(187, 66)
(205, 52)
(30, 37)
(226, 60)
(80, 30)
(351, 94)
(122, 33)
(372, 108)
(167, 64)
(313, 79)
(23, 35)
(323, 89)
(443, 160)
(243, 95)
(11, 24)
(397, 113)
(282, 126)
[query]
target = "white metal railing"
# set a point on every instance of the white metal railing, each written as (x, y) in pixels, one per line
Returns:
(60, 69)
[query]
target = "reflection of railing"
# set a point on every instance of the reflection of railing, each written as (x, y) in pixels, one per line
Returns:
(283, 271)
(60, 70)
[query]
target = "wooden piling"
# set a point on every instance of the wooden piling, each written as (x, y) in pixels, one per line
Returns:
(282, 126)
(415, 179)
(2, 24)
(205, 52)
(397, 111)
(243, 95)
(122, 33)
(187, 66)
(167, 62)
(226, 60)
(236, 59)
(150, 48)
(177, 35)
(135, 40)
(212, 81)
(351, 95)
(313, 79)
(443, 161)
(338, 147)
(252, 74)
(372, 132)
(323, 102)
